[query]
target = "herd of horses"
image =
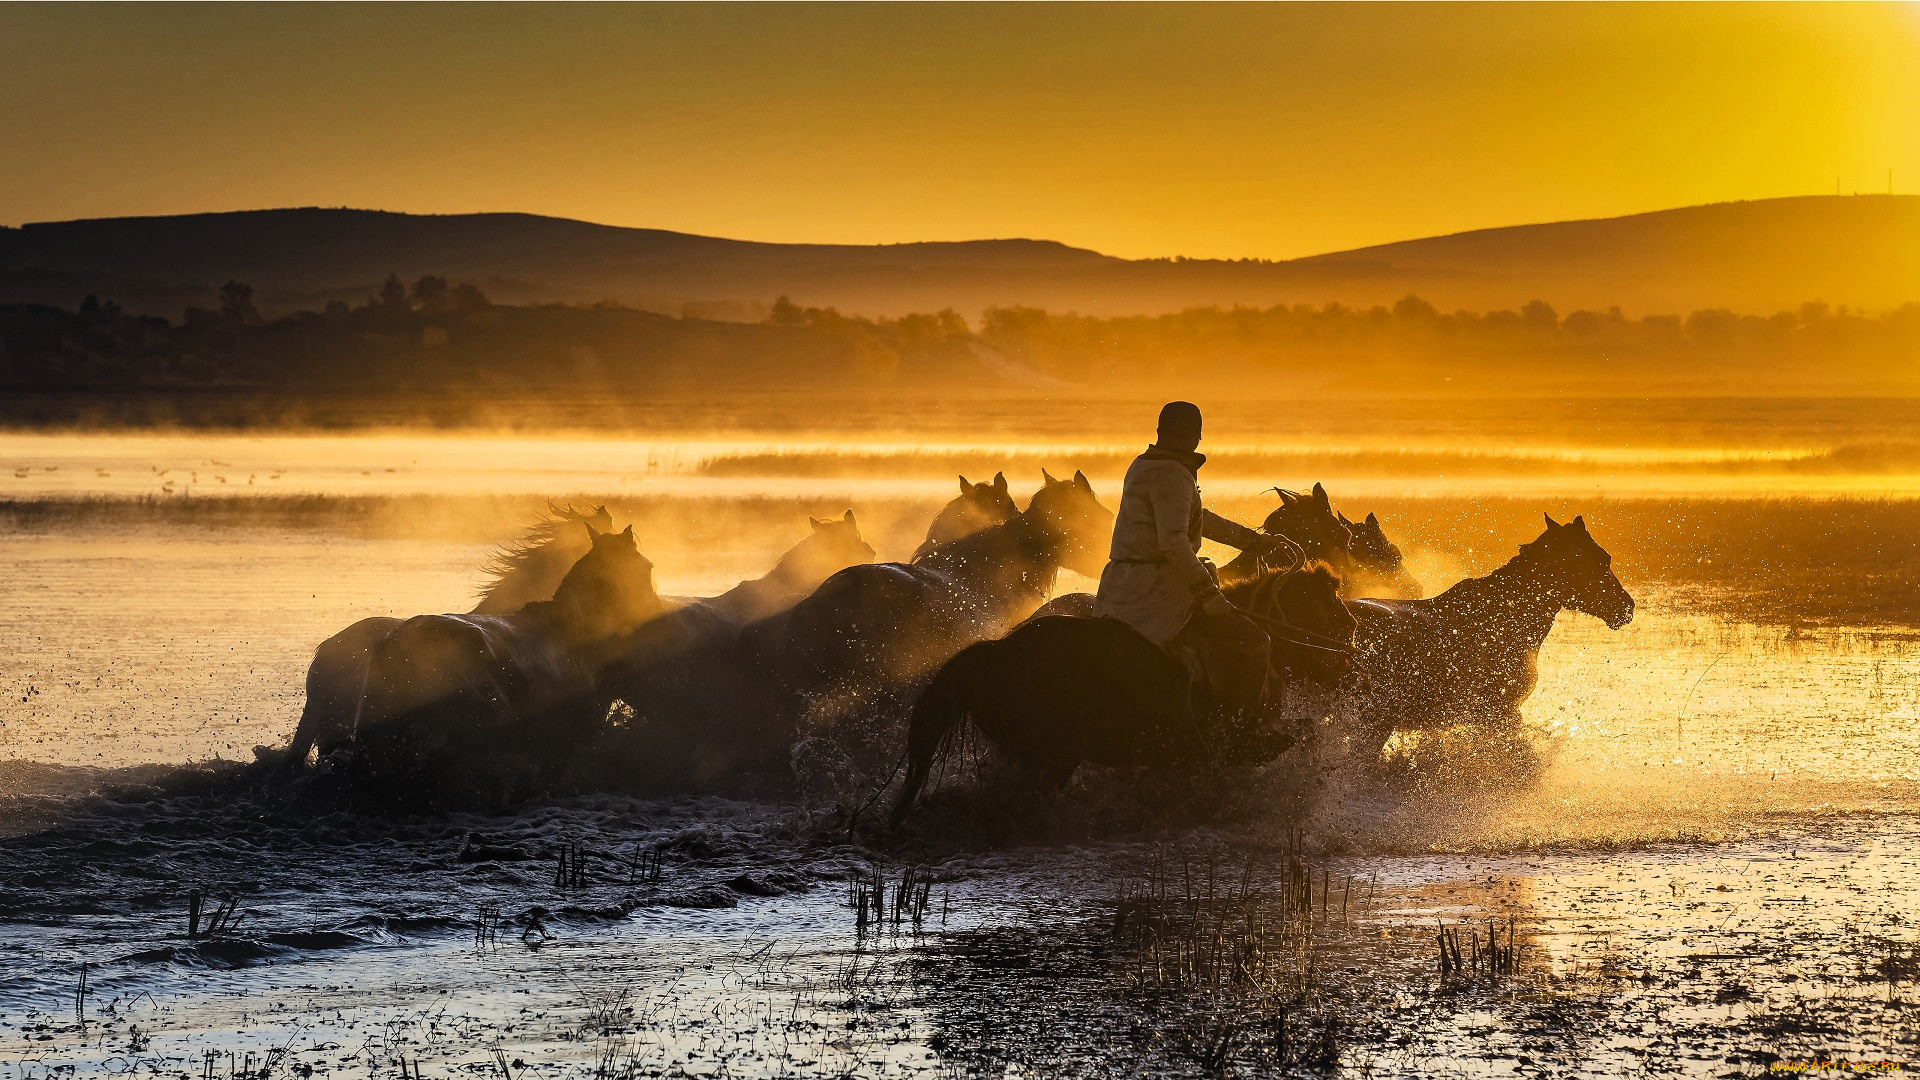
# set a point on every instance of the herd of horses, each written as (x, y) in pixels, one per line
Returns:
(575, 672)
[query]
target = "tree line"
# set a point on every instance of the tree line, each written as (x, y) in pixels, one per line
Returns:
(433, 334)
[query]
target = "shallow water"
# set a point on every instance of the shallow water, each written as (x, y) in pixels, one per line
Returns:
(1719, 851)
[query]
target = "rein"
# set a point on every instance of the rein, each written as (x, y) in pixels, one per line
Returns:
(1334, 644)
(1331, 644)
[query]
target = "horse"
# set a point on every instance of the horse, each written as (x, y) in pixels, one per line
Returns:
(1061, 689)
(1469, 655)
(833, 545)
(528, 569)
(1379, 570)
(451, 703)
(1308, 521)
(679, 676)
(978, 506)
(885, 623)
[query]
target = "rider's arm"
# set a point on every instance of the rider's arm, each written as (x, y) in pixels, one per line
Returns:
(1172, 503)
(1231, 533)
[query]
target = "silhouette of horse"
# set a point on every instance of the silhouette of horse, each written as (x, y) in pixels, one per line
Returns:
(526, 570)
(833, 545)
(883, 623)
(1061, 690)
(978, 506)
(1378, 567)
(454, 705)
(529, 568)
(690, 722)
(1308, 521)
(1468, 655)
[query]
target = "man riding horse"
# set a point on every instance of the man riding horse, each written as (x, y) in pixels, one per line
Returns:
(1155, 580)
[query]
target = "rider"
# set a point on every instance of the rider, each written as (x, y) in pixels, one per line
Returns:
(1155, 580)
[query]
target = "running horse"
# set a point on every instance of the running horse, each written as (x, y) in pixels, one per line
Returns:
(885, 623)
(527, 570)
(1063, 689)
(1379, 569)
(1469, 655)
(486, 708)
(977, 507)
(1308, 521)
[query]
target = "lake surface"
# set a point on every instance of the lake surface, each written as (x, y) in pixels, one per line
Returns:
(1716, 867)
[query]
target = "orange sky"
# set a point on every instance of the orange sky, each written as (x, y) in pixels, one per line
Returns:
(1138, 130)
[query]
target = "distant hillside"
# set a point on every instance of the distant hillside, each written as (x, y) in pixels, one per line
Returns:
(1756, 257)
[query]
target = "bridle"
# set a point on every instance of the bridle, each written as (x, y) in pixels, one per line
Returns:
(1308, 639)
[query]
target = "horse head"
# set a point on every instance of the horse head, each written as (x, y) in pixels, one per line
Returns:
(1309, 521)
(1578, 573)
(531, 567)
(832, 546)
(1371, 548)
(992, 500)
(1068, 511)
(612, 585)
(1309, 602)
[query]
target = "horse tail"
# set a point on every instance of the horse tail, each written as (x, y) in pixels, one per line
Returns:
(940, 709)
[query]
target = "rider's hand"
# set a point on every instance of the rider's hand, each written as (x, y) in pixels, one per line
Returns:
(1216, 606)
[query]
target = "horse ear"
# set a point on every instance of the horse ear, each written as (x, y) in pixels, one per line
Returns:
(848, 516)
(1580, 522)
(1286, 497)
(1341, 518)
(816, 523)
(592, 533)
(965, 488)
(1320, 496)
(1000, 482)
(1371, 520)
(1047, 477)
(1080, 481)
(1551, 524)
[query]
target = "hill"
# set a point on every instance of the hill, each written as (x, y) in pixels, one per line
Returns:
(1761, 256)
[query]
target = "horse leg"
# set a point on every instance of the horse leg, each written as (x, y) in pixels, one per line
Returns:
(335, 680)
(940, 709)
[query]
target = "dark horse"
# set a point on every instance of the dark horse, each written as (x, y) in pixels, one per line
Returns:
(527, 570)
(978, 506)
(1368, 563)
(884, 623)
(690, 721)
(1063, 689)
(1468, 656)
(465, 706)
(831, 546)
(1308, 521)
(1378, 567)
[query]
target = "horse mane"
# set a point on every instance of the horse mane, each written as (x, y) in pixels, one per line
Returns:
(1258, 588)
(1320, 568)
(516, 557)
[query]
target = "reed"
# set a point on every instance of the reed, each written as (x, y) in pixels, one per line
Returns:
(570, 866)
(908, 900)
(222, 919)
(1486, 957)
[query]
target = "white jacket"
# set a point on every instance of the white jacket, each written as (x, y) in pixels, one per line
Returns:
(1155, 579)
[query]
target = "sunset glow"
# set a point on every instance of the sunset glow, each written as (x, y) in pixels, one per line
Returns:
(1197, 130)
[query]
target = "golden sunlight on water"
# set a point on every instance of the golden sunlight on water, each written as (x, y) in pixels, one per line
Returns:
(163, 636)
(735, 466)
